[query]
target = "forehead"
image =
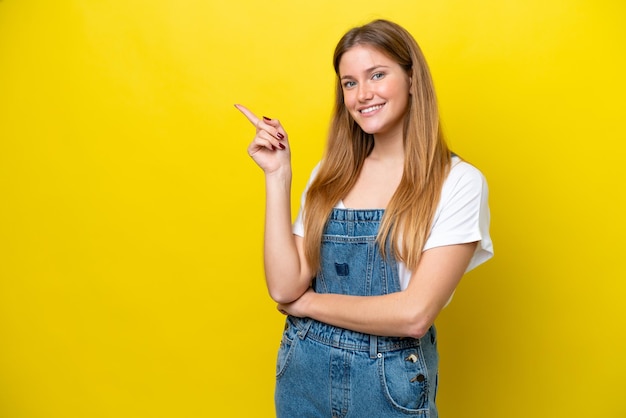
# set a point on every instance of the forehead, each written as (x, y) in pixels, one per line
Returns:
(360, 58)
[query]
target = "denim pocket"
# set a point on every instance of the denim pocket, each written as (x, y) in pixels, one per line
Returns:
(405, 380)
(287, 345)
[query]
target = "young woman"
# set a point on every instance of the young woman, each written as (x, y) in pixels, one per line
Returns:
(389, 223)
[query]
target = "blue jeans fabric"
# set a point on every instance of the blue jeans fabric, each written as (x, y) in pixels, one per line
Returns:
(327, 371)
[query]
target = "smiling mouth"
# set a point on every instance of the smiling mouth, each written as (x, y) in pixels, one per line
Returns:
(371, 109)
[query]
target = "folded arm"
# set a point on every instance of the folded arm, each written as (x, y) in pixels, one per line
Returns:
(408, 313)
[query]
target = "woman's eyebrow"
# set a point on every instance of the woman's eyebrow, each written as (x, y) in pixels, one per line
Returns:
(369, 70)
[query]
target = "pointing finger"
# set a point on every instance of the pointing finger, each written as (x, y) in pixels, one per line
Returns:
(248, 114)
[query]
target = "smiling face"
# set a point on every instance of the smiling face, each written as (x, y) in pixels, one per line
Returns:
(375, 90)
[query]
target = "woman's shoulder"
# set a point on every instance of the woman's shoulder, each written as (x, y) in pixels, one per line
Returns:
(462, 172)
(312, 175)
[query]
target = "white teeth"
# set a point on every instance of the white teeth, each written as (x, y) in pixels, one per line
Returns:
(371, 109)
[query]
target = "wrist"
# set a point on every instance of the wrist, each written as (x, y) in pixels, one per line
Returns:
(307, 304)
(281, 174)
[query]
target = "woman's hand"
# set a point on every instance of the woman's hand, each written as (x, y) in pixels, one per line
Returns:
(270, 146)
(298, 307)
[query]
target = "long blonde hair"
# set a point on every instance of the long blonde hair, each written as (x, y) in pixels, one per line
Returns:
(408, 216)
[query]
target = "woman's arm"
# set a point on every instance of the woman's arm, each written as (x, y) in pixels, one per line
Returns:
(286, 273)
(409, 313)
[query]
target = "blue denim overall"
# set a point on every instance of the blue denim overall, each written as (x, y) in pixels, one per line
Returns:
(326, 371)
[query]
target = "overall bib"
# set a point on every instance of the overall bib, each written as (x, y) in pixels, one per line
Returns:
(327, 371)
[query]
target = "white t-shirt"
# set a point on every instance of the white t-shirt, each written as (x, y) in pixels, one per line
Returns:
(462, 215)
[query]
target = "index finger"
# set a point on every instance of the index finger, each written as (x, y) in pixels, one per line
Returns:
(248, 114)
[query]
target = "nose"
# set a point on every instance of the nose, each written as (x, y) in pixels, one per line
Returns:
(365, 92)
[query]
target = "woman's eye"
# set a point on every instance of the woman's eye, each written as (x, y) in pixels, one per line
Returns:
(349, 84)
(378, 76)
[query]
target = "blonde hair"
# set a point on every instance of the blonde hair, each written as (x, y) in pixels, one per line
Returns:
(408, 216)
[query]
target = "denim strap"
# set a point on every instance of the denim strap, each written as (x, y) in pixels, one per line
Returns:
(373, 346)
(303, 328)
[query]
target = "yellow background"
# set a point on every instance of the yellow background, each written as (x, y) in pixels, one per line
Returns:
(131, 216)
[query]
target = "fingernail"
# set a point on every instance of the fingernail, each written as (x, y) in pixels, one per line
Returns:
(266, 118)
(280, 136)
(282, 146)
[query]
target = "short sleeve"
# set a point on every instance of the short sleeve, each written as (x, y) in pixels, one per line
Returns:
(462, 215)
(298, 225)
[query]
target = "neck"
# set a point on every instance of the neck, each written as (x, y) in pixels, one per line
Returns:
(388, 147)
